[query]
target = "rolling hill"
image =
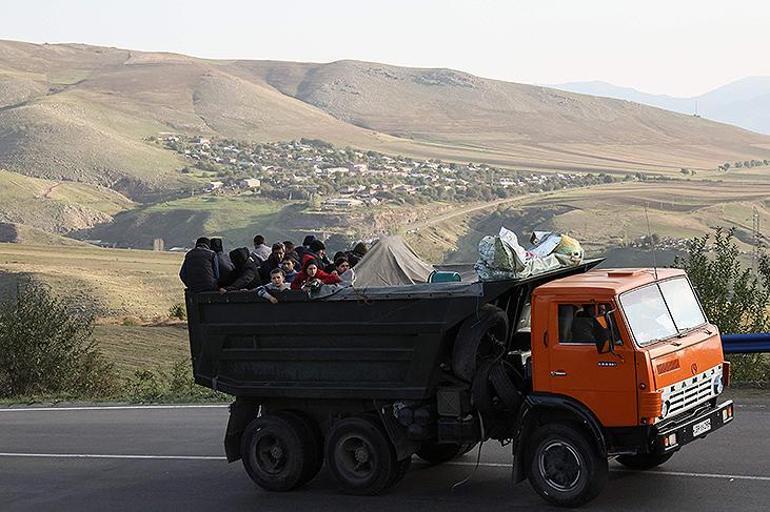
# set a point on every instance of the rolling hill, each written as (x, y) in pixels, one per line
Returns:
(744, 103)
(82, 113)
(55, 206)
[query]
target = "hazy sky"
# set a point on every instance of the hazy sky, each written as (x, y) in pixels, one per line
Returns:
(677, 47)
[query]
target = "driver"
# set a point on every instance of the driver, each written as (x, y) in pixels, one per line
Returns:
(586, 328)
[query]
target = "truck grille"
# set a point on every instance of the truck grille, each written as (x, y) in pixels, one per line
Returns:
(686, 394)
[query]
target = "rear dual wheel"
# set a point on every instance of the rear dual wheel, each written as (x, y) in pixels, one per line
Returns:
(281, 451)
(361, 458)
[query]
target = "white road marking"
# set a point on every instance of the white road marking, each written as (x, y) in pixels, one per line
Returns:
(622, 470)
(111, 408)
(109, 456)
(503, 465)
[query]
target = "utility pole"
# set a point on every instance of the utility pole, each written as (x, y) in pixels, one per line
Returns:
(755, 236)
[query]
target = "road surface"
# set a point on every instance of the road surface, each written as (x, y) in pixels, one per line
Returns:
(170, 458)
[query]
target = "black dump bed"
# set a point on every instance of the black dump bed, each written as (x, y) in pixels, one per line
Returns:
(376, 343)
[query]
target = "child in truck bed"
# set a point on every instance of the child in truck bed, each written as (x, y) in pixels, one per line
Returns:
(276, 285)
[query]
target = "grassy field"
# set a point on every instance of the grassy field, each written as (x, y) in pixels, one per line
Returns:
(132, 348)
(112, 283)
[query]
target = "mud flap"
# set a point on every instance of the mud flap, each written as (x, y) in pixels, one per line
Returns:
(242, 411)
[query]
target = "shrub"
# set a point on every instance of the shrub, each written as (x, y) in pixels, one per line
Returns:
(735, 297)
(174, 385)
(46, 349)
(178, 311)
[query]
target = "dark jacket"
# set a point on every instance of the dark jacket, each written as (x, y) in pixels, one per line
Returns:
(586, 328)
(246, 272)
(200, 270)
(268, 266)
(226, 269)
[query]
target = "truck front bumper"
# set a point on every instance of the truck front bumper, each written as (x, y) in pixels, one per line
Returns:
(672, 436)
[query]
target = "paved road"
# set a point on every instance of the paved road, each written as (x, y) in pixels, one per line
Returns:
(171, 459)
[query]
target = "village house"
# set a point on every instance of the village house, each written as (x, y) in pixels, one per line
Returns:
(249, 183)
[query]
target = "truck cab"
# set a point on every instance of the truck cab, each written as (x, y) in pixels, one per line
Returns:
(629, 355)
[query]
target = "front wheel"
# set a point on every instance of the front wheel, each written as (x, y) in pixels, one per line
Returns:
(644, 461)
(565, 467)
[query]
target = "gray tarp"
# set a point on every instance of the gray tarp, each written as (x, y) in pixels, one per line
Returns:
(391, 262)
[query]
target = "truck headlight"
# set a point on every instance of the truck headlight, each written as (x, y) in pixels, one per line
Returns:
(717, 386)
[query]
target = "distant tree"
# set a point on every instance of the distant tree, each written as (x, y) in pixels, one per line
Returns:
(735, 297)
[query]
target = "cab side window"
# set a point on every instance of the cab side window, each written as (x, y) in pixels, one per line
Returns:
(584, 323)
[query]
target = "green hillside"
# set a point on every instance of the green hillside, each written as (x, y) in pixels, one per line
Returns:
(54, 206)
(180, 222)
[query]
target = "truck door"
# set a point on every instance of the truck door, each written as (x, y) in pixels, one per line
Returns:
(606, 382)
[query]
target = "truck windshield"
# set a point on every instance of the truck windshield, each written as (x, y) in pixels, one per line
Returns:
(661, 310)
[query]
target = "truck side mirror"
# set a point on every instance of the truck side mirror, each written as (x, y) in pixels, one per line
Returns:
(609, 320)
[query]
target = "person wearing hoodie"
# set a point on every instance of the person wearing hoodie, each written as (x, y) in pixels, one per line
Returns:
(358, 252)
(317, 250)
(312, 277)
(200, 269)
(226, 267)
(246, 271)
(304, 248)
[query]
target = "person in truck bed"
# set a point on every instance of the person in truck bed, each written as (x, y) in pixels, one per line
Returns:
(275, 286)
(271, 263)
(287, 265)
(312, 277)
(246, 272)
(200, 269)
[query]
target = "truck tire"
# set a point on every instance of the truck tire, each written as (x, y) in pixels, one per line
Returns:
(360, 456)
(315, 457)
(276, 452)
(565, 467)
(481, 336)
(644, 461)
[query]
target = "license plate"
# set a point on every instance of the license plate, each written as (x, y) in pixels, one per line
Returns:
(701, 428)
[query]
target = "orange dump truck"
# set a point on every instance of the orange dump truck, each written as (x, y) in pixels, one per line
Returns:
(572, 367)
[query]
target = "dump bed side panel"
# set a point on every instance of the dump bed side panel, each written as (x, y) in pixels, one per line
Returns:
(350, 349)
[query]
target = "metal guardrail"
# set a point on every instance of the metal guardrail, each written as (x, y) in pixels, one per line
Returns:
(754, 343)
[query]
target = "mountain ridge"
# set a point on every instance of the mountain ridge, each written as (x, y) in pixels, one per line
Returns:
(744, 102)
(83, 113)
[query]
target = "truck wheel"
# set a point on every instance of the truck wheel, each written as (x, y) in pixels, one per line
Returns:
(565, 468)
(436, 453)
(360, 457)
(275, 451)
(481, 336)
(644, 461)
(315, 456)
